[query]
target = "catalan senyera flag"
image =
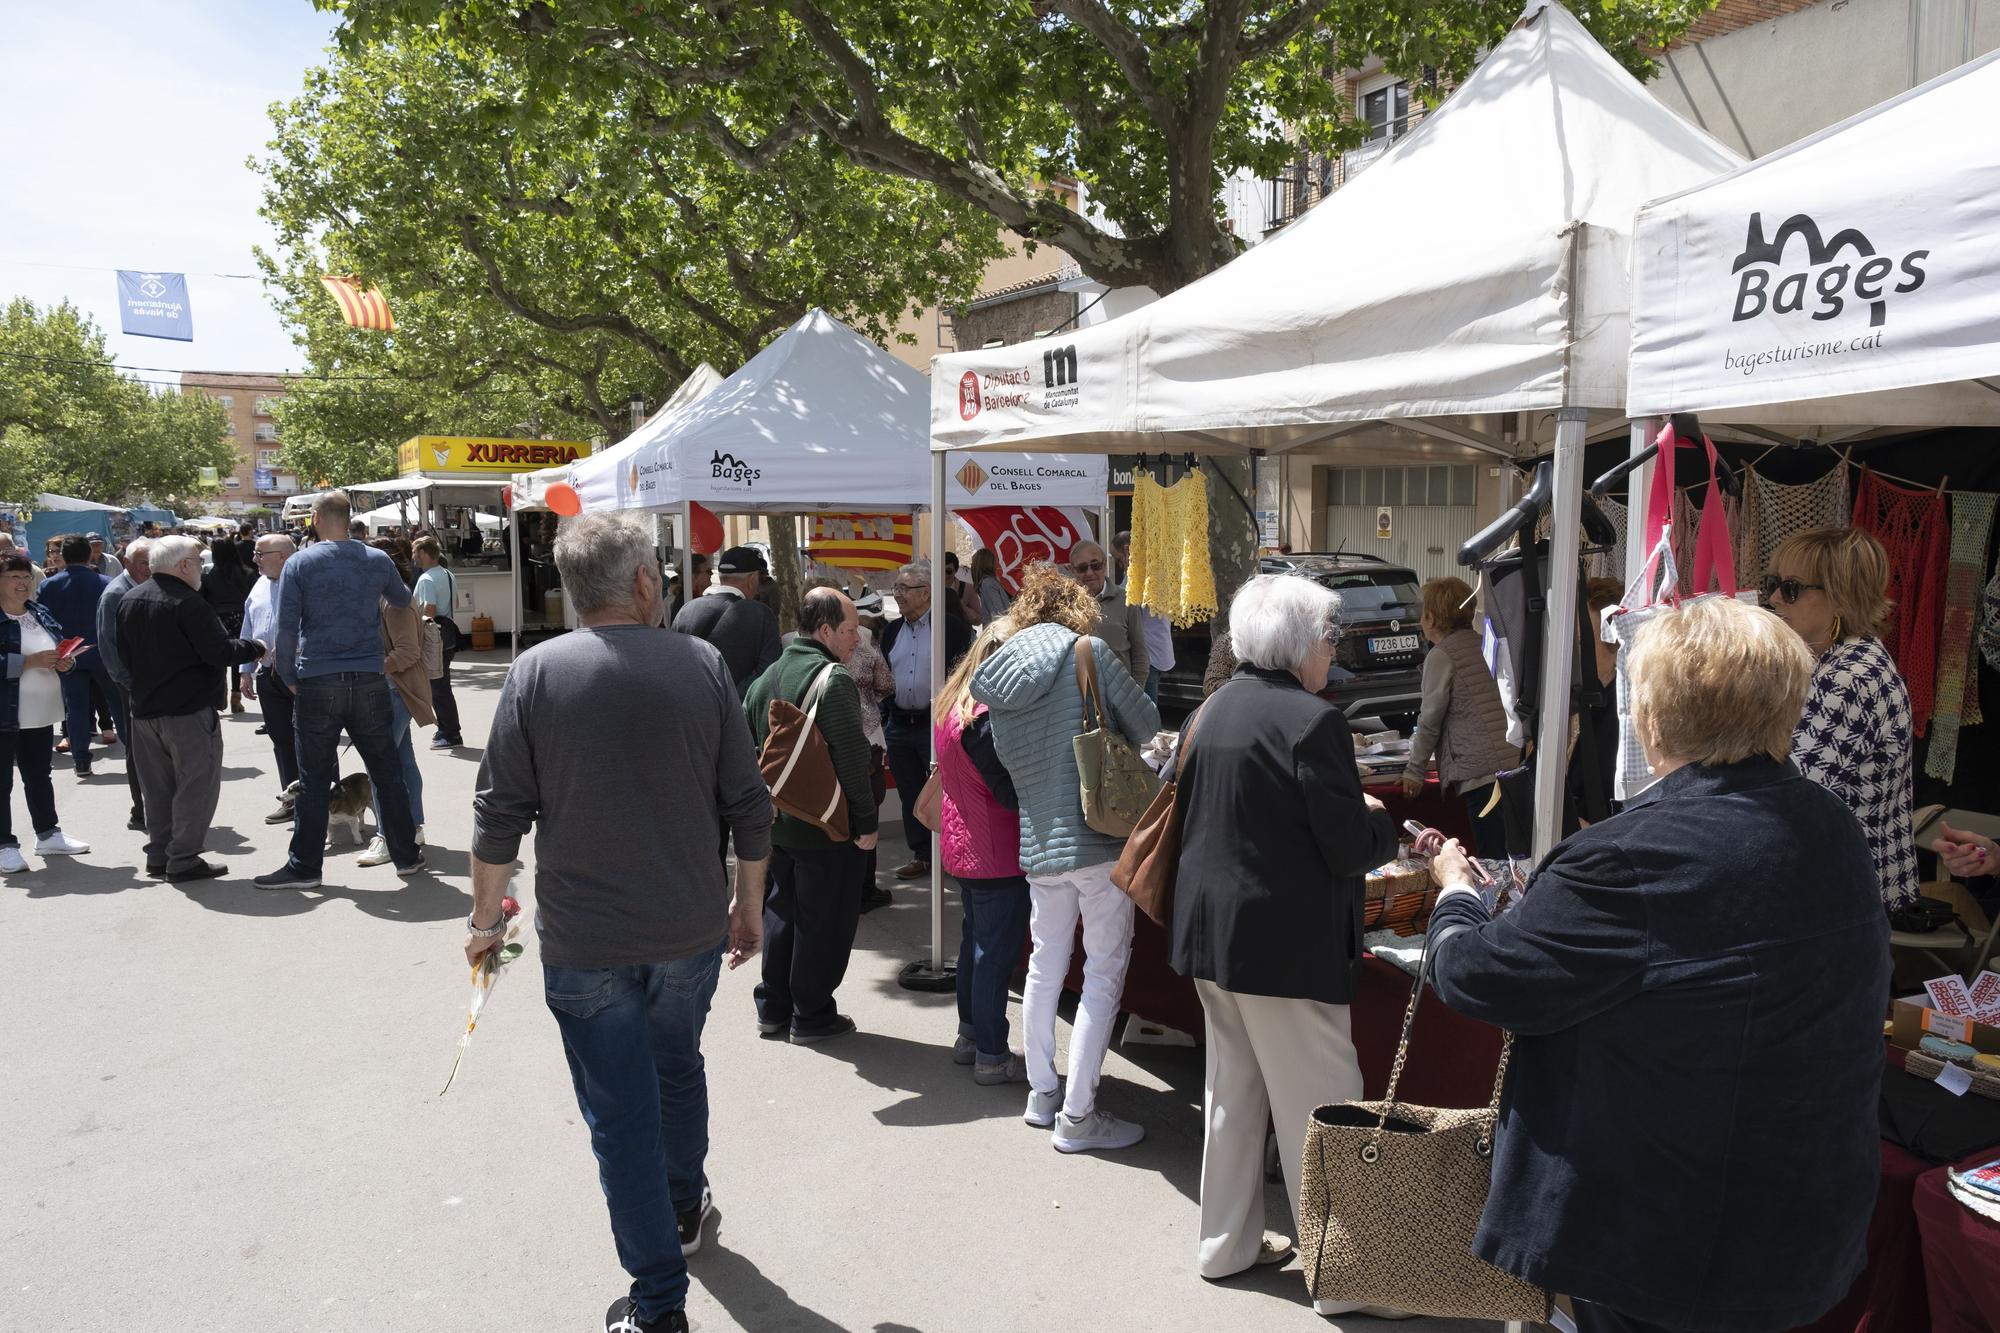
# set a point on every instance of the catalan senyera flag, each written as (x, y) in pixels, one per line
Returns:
(362, 308)
(862, 541)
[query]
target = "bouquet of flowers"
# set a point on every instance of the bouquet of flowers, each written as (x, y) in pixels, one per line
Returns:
(485, 976)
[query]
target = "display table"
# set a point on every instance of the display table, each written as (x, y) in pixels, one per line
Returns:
(1961, 1255)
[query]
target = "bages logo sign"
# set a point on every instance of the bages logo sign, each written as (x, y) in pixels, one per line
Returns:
(728, 467)
(1765, 283)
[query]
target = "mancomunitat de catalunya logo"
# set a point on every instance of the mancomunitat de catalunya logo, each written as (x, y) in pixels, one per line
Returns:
(1824, 272)
(728, 467)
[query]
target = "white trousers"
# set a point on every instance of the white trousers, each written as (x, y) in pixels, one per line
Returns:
(1269, 1060)
(1055, 902)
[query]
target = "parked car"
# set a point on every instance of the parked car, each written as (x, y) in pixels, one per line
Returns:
(1378, 665)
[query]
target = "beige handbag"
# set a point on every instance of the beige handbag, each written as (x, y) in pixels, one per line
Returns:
(1114, 784)
(1390, 1197)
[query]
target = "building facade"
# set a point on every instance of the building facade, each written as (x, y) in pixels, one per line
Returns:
(256, 480)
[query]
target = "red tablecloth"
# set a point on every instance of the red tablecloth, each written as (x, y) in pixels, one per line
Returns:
(1961, 1256)
(1888, 1297)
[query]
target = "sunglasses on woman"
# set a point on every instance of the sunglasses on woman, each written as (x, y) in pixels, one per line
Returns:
(1771, 586)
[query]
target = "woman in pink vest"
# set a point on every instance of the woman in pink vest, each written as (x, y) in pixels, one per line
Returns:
(979, 836)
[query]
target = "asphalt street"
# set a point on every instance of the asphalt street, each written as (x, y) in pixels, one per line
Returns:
(222, 1113)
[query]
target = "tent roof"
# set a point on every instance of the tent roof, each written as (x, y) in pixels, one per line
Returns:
(70, 504)
(1914, 179)
(596, 473)
(1478, 266)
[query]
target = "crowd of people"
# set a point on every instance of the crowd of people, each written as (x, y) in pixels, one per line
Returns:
(147, 649)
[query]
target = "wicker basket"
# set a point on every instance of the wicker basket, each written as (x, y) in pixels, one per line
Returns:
(1927, 1066)
(1399, 897)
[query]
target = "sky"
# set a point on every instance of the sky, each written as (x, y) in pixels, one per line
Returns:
(124, 130)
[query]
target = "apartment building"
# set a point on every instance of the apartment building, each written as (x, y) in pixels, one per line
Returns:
(252, 430)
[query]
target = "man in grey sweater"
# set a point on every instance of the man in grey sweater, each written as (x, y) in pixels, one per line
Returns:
(634, 909)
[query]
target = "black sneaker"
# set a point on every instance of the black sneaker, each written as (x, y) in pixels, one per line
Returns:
(623, 1317)
(198, 871)
(156, 870)
(691, 1222)
(875, 898)
(286, 878)
(137, 823)
(825, 1030)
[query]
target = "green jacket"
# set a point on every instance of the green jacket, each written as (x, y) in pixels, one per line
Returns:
(839, 720)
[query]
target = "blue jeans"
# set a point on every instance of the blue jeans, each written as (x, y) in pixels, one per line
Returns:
(1153, 684)
(357, 701)
(632, 1036)
(413, 777)
(79, 716)
(991, 938)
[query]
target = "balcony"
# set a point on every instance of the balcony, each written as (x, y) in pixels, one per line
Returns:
(1314, 176)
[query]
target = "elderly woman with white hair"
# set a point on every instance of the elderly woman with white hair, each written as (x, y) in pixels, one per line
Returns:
(1696, 988)
(1276, 836)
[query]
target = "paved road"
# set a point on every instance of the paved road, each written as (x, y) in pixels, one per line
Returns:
(222, 1114)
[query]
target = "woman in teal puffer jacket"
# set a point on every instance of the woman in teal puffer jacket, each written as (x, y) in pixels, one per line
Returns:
(1030, 690)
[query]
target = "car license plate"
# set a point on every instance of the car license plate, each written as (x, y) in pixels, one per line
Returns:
(1397, 643)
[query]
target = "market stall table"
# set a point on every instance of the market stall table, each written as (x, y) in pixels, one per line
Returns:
(1961, 1255)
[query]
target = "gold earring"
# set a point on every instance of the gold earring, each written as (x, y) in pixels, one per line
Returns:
(1836, 629)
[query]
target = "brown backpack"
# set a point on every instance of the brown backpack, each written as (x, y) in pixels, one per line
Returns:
(798, 767)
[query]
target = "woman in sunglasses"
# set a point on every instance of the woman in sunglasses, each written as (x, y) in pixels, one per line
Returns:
(1854, 738)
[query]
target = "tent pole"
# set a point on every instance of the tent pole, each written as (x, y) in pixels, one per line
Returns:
(1558, 661)
(686, 538)
(1638, 482)
(514, 563)
(934, 974)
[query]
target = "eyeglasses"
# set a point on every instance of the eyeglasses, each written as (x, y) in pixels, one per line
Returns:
(1789, 589)
(1091, 567)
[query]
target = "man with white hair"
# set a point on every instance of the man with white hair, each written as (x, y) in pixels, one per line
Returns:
(138, 568)
(173, 646)
(260, 682)
(634, 909)
(329, 654)
(906, 717)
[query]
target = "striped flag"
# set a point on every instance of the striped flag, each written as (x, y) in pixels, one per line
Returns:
(362, 308)
(862, 541)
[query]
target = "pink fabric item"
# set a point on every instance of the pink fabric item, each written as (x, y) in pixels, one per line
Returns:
(979, 837)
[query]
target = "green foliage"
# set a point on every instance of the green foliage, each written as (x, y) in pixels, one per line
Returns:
(1150, 104)
(70, 423)
(545, 257)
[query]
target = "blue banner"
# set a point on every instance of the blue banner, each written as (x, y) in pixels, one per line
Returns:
(155, 305)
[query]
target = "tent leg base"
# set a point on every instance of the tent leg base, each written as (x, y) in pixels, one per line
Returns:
(921, 976)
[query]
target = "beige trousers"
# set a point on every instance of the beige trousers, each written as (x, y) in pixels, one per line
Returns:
(1268, 1060)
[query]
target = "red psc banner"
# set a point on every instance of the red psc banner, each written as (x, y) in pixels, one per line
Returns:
(1022, 537)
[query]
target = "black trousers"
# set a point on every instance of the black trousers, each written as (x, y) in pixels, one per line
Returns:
(810, 912)
(1603, 1319)
(444, 703)
(131, 764)
(276, 702)
(909, 746)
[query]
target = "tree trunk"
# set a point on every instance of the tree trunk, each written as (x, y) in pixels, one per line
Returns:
(785, 566)
(1232, 530)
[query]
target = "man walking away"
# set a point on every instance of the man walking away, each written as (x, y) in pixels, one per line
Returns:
(72, 597)
(906, 719)
(436, 595)
(728, 615)
(260, 682)
(634, 911)
(138, 568)
(329, 654)
(178, 655)
(816, 883)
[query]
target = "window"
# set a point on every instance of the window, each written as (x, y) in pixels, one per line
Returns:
(1386, 110)
(228, 401)
(267, 459)
(1456, 484)
(266, 431)
(229, 426)
(264, 405)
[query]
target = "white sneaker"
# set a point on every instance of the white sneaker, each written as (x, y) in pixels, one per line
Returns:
(1042, 1107)
(377, 853)
(11, 860)
(1098, 1131)
(57, 843)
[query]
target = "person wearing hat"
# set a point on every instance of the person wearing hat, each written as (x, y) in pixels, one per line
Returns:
(728, 615)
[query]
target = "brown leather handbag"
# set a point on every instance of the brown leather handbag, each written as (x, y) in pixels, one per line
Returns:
(1150, 861)
(798, 767)
(929, 808)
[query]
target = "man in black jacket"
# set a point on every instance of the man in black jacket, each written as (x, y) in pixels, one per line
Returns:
(729, 616)
(906, 717)
(172, 643)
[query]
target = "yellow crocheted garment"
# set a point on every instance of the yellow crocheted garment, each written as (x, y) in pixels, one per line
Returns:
(1170, 574)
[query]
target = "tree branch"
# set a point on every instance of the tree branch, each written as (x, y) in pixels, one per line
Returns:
(617, 324)
(1125, 47)
(1279, 30)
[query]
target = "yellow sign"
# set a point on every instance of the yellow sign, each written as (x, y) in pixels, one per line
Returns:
(1384, 528)
(432, 454)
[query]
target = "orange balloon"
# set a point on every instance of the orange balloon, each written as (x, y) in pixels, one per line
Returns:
(707, 535)
(562, 498)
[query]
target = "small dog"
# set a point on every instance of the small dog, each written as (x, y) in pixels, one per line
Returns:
(347, 800)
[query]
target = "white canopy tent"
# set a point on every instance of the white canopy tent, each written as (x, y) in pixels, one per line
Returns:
(69, 504)
(1851, 279)
(1479, 266)
(595, 477)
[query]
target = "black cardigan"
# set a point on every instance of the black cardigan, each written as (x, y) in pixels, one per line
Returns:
(1275, 840)
(1689, 1131)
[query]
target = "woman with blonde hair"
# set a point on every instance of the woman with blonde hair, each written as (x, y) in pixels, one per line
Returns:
(1461, 720)
(979, 837)
(1695, 987)
(1030, 684)
(1854, 737)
